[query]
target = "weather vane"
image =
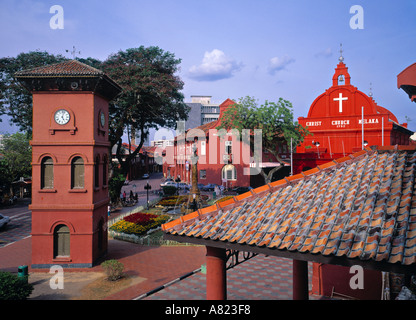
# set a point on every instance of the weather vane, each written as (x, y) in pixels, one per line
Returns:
(341, 58)
(73, 52)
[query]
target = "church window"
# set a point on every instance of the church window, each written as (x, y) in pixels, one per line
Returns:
(228, 147)
(61, 241)
(77, 173)
(229, 172)
(46, 168)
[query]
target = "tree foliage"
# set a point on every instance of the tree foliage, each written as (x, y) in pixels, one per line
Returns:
(16, 101)
(275, 119)
(151, 95)
(16, 158)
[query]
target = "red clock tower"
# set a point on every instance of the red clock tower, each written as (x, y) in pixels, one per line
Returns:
(70, 156)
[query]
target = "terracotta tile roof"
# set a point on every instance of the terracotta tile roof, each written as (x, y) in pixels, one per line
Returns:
(67, 68)
(362, 206)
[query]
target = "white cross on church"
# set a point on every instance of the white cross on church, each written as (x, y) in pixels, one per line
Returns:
(340, 99)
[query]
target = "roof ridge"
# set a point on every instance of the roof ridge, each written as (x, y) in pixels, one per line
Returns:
(60, 68)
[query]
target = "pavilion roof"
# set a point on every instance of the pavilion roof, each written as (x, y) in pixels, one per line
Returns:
(360, 209)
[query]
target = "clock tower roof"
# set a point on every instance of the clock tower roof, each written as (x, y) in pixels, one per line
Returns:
(73, 76)
(67, 68)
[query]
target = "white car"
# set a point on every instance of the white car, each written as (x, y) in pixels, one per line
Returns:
(168, 183)
(4, 220)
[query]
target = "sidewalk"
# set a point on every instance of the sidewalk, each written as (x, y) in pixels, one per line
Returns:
(146, 267)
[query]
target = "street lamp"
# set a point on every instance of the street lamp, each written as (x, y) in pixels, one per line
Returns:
(194, 160)
(147, 187)
(317, 144)
(194, 204)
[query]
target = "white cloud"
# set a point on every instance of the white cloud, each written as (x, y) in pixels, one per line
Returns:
(277, 64)
(324, 53)
(215, 66)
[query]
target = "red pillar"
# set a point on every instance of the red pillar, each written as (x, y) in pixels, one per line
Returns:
(216, 274)
(300, 280)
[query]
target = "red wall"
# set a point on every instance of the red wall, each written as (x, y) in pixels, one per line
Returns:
(331, 280)
(81, 210)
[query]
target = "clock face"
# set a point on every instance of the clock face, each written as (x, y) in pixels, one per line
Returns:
(62, 116)
(102, 119)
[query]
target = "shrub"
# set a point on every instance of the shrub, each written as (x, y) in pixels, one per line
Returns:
(113, 269)
(169, 190)
(14, 288)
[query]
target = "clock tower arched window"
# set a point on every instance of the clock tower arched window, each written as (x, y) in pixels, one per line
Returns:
(77, 173)
(46, 167)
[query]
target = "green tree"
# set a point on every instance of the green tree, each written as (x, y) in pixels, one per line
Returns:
(16, 101)
(151, 96)
(276, 121)
(16, 158)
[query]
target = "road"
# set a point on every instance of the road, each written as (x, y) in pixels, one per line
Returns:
(20, 224)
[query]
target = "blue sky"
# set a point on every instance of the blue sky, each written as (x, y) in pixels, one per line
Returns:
(233, 48)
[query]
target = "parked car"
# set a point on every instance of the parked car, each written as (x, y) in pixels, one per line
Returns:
(209, 187)
(182, 185)
(4, 220)
(241, 190)
(145, 176)
(168, 182)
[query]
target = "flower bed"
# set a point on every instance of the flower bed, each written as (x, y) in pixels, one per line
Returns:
(172, 201)
(139, 223)
(177, 200)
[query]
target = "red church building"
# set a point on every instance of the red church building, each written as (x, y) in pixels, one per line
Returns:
(342, 120)
(70, 157)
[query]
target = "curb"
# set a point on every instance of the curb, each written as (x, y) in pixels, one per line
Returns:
(166, 285)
